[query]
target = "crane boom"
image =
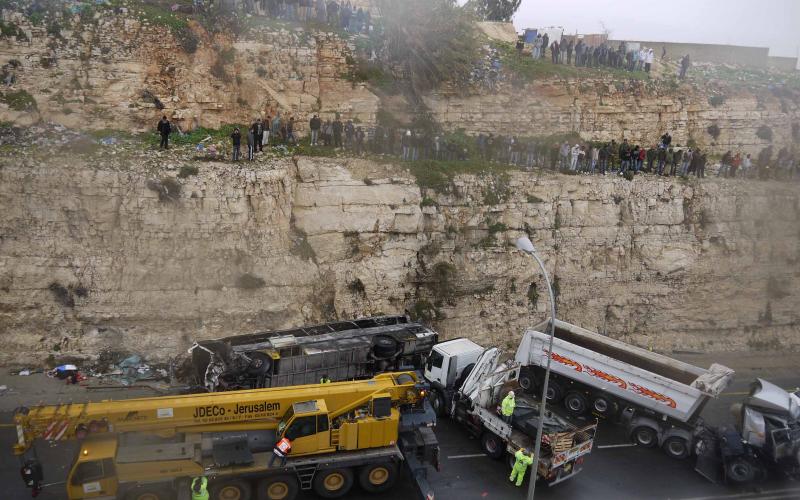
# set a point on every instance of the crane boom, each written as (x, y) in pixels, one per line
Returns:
(208, 412)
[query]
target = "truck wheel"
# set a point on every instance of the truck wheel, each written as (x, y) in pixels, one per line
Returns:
(604, 406)
(260, 363)
(576, 403)
(554, 392)
(492, 445)
(384, 346)
(676, 447)
(377, 478)
(526, 382)
(333, 483)
(437, 402)
(232, 489)
(277, 488)
(740, 470)
(148, 493)
(645, 437)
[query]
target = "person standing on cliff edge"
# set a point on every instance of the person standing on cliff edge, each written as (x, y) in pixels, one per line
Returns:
(164, 128)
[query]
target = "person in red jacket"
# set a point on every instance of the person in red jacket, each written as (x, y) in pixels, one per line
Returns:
(281, 449)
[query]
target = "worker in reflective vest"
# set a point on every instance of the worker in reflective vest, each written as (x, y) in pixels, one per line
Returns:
(507, 407)
(520, 466)
(280, 450)
(325, 379)
(200, 488)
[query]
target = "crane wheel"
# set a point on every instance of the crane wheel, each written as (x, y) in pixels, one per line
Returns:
(277, 488)
(377, 478)
(333, 483)
(147, 493)
(233, 489)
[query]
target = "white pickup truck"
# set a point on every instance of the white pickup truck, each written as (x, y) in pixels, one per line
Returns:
(658, 397)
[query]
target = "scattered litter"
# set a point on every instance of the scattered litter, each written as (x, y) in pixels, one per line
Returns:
(3, 389)
(108, 141)
(24, 373)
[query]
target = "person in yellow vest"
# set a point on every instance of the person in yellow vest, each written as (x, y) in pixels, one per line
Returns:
(325, 379)
(507, 407)
(523, 460)
(200, 488)
(280, 450)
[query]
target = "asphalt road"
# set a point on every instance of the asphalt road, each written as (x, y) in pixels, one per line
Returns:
(614, 470)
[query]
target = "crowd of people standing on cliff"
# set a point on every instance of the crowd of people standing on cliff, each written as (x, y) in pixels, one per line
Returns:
(623, 158)
(337, 14)
(624, 56)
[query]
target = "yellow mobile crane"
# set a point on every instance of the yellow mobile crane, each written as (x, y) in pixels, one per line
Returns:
(151, 448)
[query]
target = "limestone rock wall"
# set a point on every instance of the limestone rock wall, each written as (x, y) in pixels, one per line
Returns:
(603, 110)
(91, 258)
(104, 72)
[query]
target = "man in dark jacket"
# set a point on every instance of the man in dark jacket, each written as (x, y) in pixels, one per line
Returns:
(164, 128)
(257, 128)
(545, 41)
(337, 132)
(315, 124)
(570, 46)
(624, 156)
(236, 140)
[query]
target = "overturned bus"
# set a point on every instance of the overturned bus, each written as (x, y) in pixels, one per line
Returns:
(341, 350)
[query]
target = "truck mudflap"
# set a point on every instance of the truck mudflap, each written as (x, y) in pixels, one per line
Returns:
(565, 471)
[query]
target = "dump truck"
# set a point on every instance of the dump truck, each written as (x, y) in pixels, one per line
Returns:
(151, 448)
(659, 398)
(341, 350)
(468, 382)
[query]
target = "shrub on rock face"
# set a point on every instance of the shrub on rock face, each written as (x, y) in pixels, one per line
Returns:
(250, 282)
(716, 100)
(187, 39)
(764, 133)
(713, 130)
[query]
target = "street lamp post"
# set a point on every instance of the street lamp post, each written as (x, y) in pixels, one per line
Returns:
(524, 244)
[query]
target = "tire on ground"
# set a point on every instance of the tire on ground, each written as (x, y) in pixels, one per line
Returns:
(492, 445)
(644, 436)
(676, 447)
(230, 489)
(277, 488)
(333, 483)
(377, 478)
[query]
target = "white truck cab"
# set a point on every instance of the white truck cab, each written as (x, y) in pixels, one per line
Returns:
(447, 367)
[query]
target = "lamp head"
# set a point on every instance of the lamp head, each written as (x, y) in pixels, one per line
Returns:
(524, 244)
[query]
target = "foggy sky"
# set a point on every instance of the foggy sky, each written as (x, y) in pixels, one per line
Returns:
(761, 23)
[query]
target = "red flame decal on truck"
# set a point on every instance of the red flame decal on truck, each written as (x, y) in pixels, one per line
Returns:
(594, 372)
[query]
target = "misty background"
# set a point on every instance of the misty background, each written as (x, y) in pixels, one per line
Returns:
(760, 23)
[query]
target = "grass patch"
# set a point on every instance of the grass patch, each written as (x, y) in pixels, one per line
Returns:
(423, 310)
(438, 175)
(19, 100)
(428, 202)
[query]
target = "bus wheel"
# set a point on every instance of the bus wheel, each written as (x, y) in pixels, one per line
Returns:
(377, 478)
(232, 489)
(277, 488)
(492, 445)
(148, 493)
(333, 483)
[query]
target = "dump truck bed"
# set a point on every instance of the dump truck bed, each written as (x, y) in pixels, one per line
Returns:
(647, 379)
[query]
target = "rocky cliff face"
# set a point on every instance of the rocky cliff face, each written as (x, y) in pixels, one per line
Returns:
(603, 110)
(95, 254)
(121, 70)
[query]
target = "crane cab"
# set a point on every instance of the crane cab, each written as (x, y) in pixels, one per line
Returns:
(306, 425)
(94, 473)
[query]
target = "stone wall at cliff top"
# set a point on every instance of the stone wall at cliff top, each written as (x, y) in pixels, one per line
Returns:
(92, 259)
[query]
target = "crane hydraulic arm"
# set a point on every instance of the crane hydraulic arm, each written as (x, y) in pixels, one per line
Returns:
(212, 412)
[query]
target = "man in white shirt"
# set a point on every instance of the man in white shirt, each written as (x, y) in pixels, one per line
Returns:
(648, 60)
